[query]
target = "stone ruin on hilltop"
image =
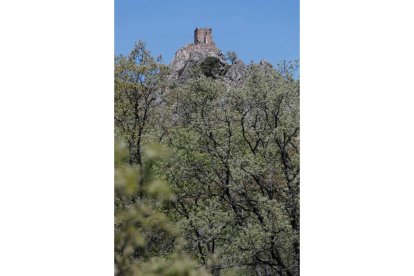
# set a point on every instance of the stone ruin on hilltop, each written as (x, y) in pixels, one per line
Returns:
(203, 36)
(204, 53)
(191, 54)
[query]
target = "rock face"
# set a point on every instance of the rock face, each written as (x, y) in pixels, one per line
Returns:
(204, 56)
(266, 67)
(189, 56)
(236, 74)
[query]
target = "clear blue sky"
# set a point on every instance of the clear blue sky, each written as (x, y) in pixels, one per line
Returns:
(255, 29)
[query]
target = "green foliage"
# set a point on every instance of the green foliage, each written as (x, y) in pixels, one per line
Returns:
(227, 192)
(139, 220)
(288, 68)
(212, 67)
(235, 171)
(232, 56)
(139, 83)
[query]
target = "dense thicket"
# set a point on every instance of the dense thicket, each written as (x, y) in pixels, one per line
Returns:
(233, 169)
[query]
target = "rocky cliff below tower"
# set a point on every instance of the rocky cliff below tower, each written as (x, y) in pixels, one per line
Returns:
(203, 57)
(189, 56)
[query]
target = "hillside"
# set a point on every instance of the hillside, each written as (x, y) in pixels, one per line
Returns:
(207, 181)
(212, 63)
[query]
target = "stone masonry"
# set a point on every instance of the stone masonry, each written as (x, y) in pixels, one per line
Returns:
(203, 36)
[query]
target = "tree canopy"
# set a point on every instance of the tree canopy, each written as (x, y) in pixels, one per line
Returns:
(226, 200)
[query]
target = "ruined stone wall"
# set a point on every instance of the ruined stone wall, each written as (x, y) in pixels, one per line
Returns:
(200, 46)
(203, 36)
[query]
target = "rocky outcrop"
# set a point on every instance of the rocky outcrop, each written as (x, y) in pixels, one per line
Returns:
(187, 57)
(210, 61)
(266, 67)
(236, 74)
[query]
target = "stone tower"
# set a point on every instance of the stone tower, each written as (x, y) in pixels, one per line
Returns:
(203, 36)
